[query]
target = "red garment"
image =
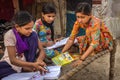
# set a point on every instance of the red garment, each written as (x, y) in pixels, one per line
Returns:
(6, 9)
(27, 2)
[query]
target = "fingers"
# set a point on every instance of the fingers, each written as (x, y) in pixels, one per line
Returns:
(50, 43)
(41, 70)
(56, 40)
(40, 66)
(74, 64)
(42, 63)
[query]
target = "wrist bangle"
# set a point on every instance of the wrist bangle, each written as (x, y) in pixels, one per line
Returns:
(82, 59)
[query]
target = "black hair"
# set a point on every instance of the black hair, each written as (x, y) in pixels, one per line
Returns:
(48, 8)
(83, 7)
(22, 18)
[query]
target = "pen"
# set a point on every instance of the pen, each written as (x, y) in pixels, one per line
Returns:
(46, 68)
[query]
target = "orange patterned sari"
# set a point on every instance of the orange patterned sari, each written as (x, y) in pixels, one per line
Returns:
(96, 35)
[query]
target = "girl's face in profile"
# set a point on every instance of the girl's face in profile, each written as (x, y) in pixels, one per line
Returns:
(49, 18)
(82, 18)
(25, 30)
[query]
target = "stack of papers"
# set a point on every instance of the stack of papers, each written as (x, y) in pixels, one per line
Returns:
(60, 43)
(54, 73)
(24, 76)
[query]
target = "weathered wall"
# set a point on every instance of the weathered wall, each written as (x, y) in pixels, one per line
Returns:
(60, 22)
(109, 12)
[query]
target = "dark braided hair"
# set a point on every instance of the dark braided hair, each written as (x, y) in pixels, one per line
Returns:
(22, 18)
(84, 8)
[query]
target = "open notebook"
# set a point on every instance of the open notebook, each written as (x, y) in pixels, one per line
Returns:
(60, 43)
(54, 73)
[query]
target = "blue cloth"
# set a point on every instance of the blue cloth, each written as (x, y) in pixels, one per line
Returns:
(5, 69)
(32, 42)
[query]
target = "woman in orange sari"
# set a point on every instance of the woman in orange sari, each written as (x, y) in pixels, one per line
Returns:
(97, 36)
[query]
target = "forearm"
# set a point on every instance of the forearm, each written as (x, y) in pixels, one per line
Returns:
(41, 55)
(87, 53)
(50, 43)
(14, 60)
(41, 51)
(21, 63)
(68, 45)
(46, 44)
